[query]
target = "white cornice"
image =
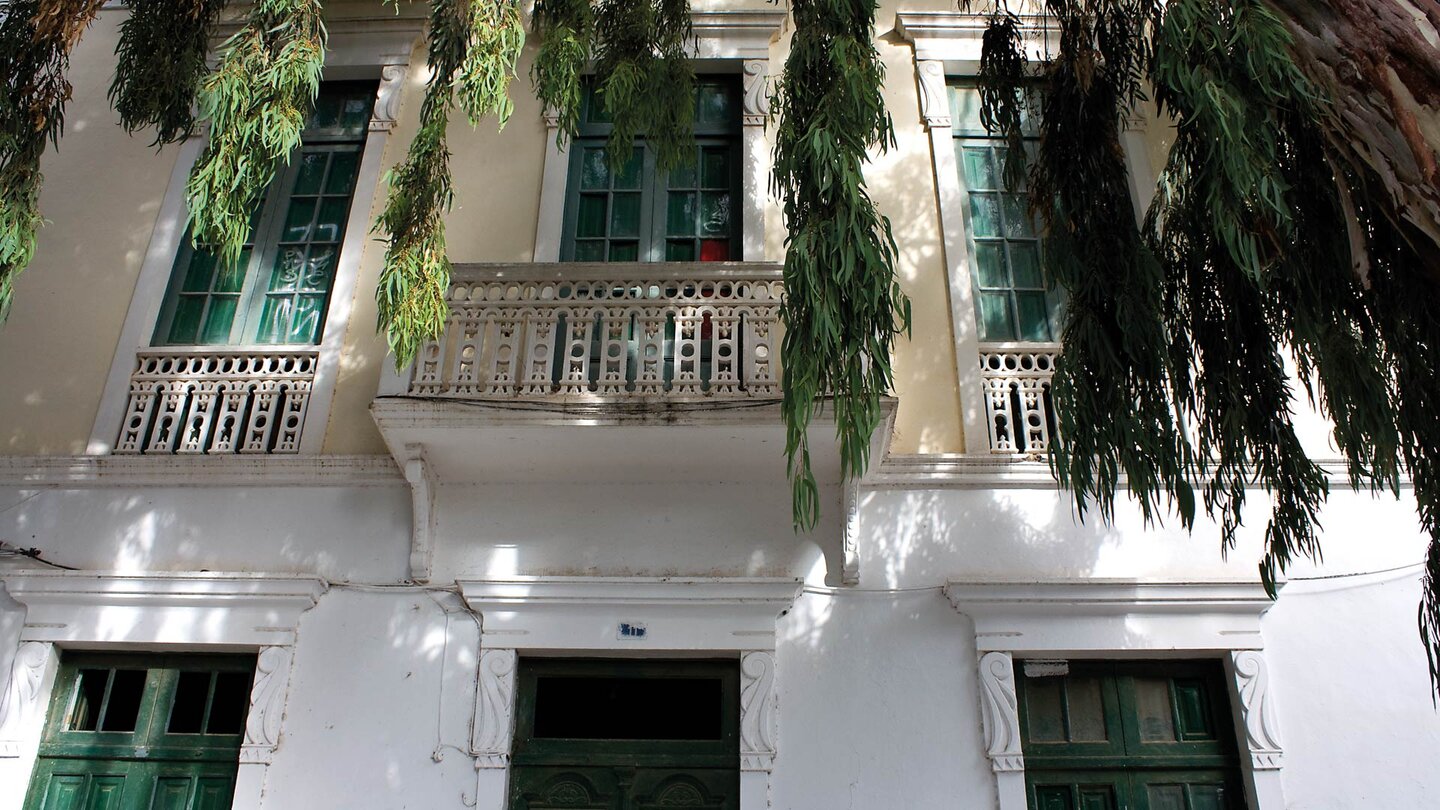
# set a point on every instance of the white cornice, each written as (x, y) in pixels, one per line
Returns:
(736, 34)
(955, 36)
(584, 613)
(198, 471)
(1111, 615)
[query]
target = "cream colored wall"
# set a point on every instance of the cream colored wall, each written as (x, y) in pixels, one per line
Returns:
(101, 196)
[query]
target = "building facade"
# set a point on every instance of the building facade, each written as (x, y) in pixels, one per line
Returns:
(551, 564)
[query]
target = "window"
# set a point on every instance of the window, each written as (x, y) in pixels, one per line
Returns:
(638, 214)
(280, 291)
(1012, 300)
(143, 731)
(600, 733)
(1127, 736)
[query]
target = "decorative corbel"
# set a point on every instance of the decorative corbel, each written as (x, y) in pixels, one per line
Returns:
(422, 507)
(850, 539)
(267, 705)
(756, 96)
(494, 709)
(1262, 733)
(934, 100)
(387, 98)
(759, 718)
(1000, 714)
(21, 699)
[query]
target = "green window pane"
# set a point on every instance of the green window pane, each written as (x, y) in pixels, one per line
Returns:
(680, 250)
(594, 171)
(1034, 313)
(232, 279)
(990, 265)
(1043, 709)
(985, 214)
(199, 273)
(355, 116)
(343, 166)
(680, 214)
(1017, 217)
(714, 104)
(309, 314)
(715, 168)
(275, 318)
(965, 109)
(591, 219)
(624, 251)
(1166, 797)
(288, 265)
(326, 114)
(1194, 710)
(1025, 265)
(331, 222)
(319, 269)
(629, 177)
(625, 215)
(89, 697)
(715, 213)
(311, 175)
(219, 320)
(1152, 704)
(995, 316)
(1085, 710)
(979, 169)
(592, 250)
(185, 322)
(298, 219)
(683, 176)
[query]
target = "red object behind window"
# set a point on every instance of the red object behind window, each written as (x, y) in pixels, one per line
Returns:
(714, 250)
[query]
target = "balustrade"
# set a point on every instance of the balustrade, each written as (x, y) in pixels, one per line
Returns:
(1019, 410)
(217, 400)
(580, 332)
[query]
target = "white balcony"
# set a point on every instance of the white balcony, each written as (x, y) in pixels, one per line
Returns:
(1019, 410)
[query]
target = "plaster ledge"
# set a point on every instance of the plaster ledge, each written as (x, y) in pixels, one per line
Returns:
(80, 472)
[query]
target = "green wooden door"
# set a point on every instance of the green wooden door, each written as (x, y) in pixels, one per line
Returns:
(626, 735)
(1129, 736)
(142, 732)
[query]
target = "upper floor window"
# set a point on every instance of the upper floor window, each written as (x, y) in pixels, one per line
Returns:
(279, 291)
(1013, 302)
(642, 214)
(1108, 735)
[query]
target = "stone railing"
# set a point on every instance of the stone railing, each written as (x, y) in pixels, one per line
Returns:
(217, 400)
(1018, 408)
(579, 332)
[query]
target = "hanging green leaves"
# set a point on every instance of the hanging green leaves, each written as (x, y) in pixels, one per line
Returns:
(643, 76)
(473, 47)
(842, 303)
(36, 37)
(256, 100)
(159, 61)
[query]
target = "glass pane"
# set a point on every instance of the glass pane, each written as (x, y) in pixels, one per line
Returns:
(297, 220)
(715, 167)
(624, 251)
(232, 278)
(126, 688)
(1034, 314)
(1017, 217)
(318, 269)
(89, 696)
(625, 215)
(683, 176)
(286, 273)
(591, 218)
(985, 214)
(275, 319)
(355, 116)
(187, 713)
(332, 219)
(217, 323)
(995, 316)
(309, 314)
(1044, 717)
(199, 272)
(1025, 265)
(185, 323)
(990, 265)
(714, 104)
(715, 213)
(680, 213)
(231, 701)
(1207, 797)
(629, 177)
(326, 114)
(714, 250)
(965, 109)
(680, 250)
(311, 174)
(591, 251)
(1156, 715)
(979, 169)
(594, 172)
(343, 166)
(1086, 710)
(1165, 797)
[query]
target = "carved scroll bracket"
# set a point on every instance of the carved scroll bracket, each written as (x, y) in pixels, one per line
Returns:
(21, 700)
(1262, 732)
(267, 705)
(934, 101)
(757, 92)
(759, 714)
(999, 712)
(387, 98)
(422, 505)
(850, 541)
(494, 709)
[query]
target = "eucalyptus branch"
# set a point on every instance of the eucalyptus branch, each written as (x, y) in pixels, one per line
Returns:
(159, 62)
